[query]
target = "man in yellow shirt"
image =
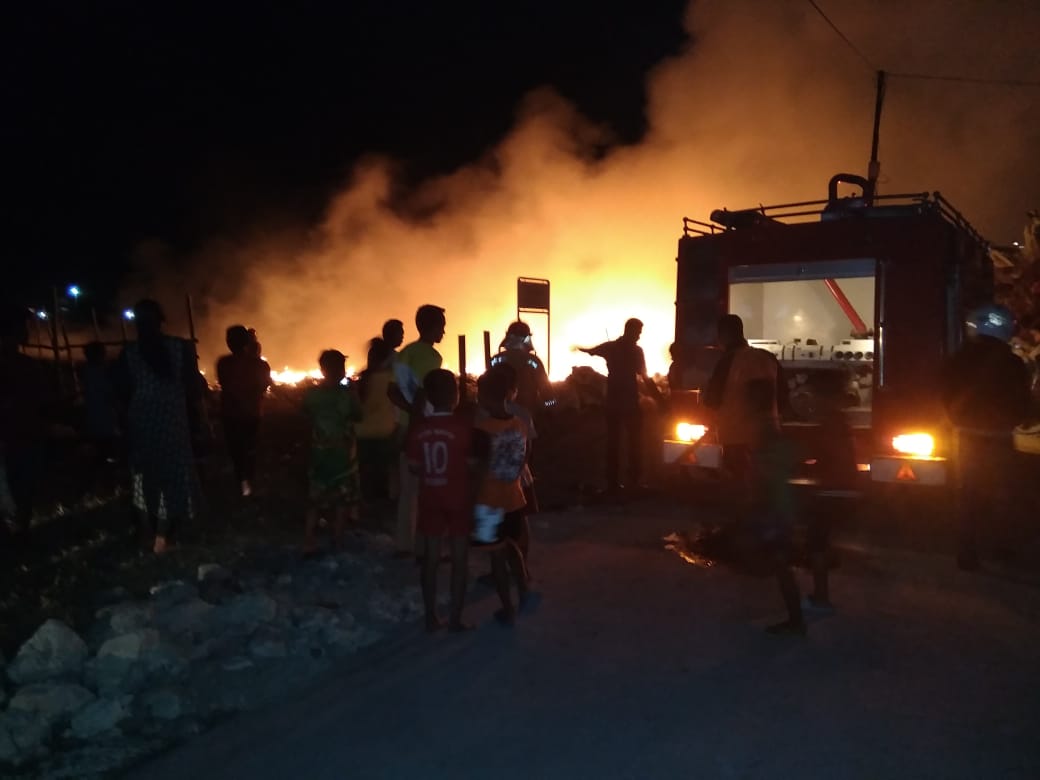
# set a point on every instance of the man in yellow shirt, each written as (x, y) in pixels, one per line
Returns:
(412, 365)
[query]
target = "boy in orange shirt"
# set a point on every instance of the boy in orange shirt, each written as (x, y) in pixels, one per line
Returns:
(500, 499)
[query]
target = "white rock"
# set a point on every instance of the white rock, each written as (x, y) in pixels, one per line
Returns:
(249, 609)
(53, 702)
(28, 734)
(126, 617)
(166, 704)
(189, 617)
(268, 647)
(126, 663)
(212, 572)
(100, 716)
(54, 651)
(173, 592)
(236, 664)
(132, 645)
(8, 749)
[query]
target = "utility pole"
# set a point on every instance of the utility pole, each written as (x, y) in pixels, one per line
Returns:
(874, 169)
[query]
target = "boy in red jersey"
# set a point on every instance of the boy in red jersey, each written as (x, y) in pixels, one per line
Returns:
(443, 451)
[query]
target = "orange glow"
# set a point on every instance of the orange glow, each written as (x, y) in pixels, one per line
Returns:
(689, 432)
(292, 376)
(558, 197)
(920, 445)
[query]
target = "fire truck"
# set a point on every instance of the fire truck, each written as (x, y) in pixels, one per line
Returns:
(875, 288)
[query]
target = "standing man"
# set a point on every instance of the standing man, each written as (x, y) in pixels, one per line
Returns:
(986, 394)
(738, 421)
(393, 335)
(244, 378)
(626, 366)
(412, 365)
(534, 390)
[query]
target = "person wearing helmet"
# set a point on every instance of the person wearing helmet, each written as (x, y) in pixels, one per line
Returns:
(985, 394)
(534, 391)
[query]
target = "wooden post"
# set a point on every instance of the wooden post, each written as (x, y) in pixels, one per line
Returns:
(72, 359)
(191, 319)
(462, 367)
(54, 340)
(487, 350)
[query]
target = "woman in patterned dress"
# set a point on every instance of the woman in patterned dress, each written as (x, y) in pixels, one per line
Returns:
(159, 383)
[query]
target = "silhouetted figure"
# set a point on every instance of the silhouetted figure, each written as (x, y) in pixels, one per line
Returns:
(771, 466)
(444, 451)
(334, 480)
(834, 496)
(501, 504)
(244, 378)
(626, 367)
(737, 423)
(379, 438)
(534, 390)
(24, 399)
(101, 411)
(393, 335)
(412, 365)
(158, 379)
(986, 394)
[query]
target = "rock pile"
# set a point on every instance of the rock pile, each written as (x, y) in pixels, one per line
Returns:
(154, 669)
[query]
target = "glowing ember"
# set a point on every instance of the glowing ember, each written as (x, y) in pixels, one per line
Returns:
(290, 376)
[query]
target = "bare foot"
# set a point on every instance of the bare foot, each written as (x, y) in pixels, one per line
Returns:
(161, 545)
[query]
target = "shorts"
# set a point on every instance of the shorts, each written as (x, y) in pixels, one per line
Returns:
(334, 479)
(514, 525)
(434, 520)
(822, 515)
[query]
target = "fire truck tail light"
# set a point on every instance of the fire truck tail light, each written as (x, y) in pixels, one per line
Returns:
(920, 445)
(689, 432)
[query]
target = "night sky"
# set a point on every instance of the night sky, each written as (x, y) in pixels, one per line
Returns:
(128, 121)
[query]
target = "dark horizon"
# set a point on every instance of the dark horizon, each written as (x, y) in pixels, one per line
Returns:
(141, 123)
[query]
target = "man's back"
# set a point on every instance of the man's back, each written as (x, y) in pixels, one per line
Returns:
(986, 386)
(243, 381)
(737, 423)
(625, 364)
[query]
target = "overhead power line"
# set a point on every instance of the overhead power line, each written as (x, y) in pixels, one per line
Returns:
(967, 79)
(921, 76)
(843, 36)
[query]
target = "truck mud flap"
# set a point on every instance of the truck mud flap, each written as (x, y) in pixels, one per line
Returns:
(685, 454)
(909, 471)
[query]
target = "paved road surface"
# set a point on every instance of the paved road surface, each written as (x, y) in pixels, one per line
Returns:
(638, 665)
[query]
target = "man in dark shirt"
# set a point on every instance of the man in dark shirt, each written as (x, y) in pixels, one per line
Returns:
(986, 394)
(626, 367)
(244, 378)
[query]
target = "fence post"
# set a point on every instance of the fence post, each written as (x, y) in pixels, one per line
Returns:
(487, 350)
(191, 319)
(462, 367)
(54, 340)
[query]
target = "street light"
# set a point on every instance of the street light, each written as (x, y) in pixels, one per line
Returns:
(41, 314)
(128, 314)
(73, 291)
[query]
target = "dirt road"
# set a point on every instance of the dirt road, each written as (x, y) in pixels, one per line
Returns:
(639, 665)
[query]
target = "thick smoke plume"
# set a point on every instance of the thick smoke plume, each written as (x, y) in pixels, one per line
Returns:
(763, 106)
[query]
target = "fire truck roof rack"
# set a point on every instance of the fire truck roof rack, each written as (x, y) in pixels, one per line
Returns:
(723, 220)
